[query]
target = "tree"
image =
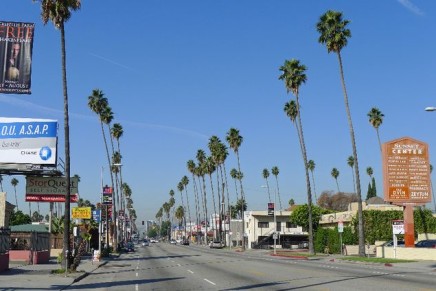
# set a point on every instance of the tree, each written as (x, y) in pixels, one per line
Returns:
(191, 168)
(300, 216)
(265, 174)
(14, 183)
(275, 172)
(350, 162)
(311, 166)
(18, 218)
(59, 12)
(180, 215)
(37, 217)
(293, 74)
(334, 34)
(376, 119)
(291, 202)
(335, 175)
(234, 139)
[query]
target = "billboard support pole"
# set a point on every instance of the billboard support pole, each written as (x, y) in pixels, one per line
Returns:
(409, 226)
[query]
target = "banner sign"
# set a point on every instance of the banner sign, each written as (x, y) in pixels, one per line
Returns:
(74, 198)
(107, 195)
(270, 208)
(28, 141)
(16, 44)
(406, 171)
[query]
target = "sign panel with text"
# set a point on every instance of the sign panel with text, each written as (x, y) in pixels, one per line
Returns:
(406, 171)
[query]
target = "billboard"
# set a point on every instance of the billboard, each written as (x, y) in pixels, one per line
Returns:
(28, 141)
(406, 171)
(50, 189)
(107, 195)
(16, 43)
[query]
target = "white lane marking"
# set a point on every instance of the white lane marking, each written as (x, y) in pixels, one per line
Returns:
(210, 282)
(136, 287)
(179, 265)
(190, 272)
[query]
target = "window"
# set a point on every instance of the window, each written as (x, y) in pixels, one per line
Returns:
(261, 224)
(290, 225)
(278, 226)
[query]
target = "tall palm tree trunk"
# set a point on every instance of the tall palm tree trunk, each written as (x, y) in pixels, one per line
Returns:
(309, 194)
(242, 204)
(378, 138)
(356, 164)
(197, 206)
(205, 207)
(66, 243)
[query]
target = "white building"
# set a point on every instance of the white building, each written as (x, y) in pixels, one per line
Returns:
(260, 229)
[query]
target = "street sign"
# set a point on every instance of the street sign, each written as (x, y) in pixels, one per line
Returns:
(340, 226)
(96, 215)
(397, 226)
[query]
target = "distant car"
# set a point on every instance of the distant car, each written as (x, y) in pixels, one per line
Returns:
(145, 243)
(129, 247)
(216, 245)
(173, 242)
(400, 243)
(428, 243)
(153, 240)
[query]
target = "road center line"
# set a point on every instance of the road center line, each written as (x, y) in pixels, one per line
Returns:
(190, 272)
(210, 282)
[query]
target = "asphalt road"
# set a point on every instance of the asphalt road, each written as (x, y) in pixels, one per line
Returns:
(163, 266)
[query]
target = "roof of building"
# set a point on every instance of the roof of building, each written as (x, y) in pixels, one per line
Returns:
(29, 228)
(375, 200)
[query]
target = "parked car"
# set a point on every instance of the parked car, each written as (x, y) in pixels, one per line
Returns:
(145, 243)
(153, 240)
(185, 242)
(427, 243)
(173, 242)
(400, 243)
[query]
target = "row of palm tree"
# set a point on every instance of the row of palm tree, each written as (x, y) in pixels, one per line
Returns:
(275, 171)
(204, 171)
(334, 34)
(122, 200)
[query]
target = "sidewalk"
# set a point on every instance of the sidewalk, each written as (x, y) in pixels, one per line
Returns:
(21, 276)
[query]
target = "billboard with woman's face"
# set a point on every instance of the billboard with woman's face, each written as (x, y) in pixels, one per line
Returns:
(16, 42)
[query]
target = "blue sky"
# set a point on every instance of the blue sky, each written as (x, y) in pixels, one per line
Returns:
(178, 72)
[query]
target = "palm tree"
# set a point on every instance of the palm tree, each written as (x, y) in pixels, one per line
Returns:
(180, 216)
(311, 166)
(117, 132)
(350, 162)
(235, 140)
(185, 182)
(293, 74)
(234, 175)
(14, 183)
(265, 174)
(376, 119)
(191, 168)
(201, 171)
(334, 34)
(275, 172)
(335, 175)
(59, 12)
(100, 105)
(167, 208)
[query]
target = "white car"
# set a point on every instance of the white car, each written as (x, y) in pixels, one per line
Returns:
(145, 243)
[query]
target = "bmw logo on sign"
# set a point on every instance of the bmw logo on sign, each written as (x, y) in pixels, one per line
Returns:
(45, 153)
